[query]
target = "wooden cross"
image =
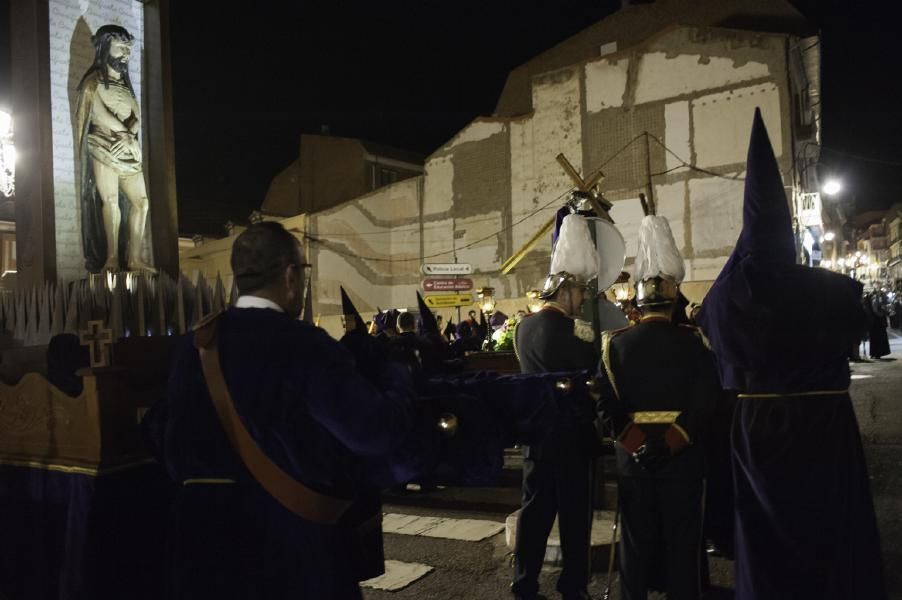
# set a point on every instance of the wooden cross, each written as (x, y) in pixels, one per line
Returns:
(583, 185)
(98, 340)
(587, 187)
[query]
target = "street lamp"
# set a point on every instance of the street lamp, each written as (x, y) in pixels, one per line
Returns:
(7, 155)
(829, 236)
(832, 187)
(487, 303)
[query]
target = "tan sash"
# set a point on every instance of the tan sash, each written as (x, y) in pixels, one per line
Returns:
(290, 493)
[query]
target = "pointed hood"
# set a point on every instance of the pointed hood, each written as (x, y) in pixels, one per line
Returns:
(766, 222)
(776, 326)
(353, 321)
(428, 326)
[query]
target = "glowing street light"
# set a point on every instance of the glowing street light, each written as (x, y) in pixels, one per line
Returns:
(7, 155)
(829, 236)
(832, 187)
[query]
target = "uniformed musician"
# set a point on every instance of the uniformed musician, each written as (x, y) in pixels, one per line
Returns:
(556, 472)
(661, 393)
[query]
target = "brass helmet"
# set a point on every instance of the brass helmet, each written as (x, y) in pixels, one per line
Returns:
(656, 290)
(556, 281)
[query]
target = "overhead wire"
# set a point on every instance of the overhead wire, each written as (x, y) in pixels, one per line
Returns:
(332, 246)
(326, 243)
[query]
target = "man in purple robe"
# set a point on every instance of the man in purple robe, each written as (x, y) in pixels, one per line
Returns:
(805, 523)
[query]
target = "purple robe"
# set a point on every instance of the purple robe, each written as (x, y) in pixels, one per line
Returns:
(804, 516)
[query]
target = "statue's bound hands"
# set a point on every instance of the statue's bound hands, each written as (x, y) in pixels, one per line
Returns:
(126, 144)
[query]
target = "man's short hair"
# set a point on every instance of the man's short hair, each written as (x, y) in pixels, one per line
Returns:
(406, 321)
(260, 255)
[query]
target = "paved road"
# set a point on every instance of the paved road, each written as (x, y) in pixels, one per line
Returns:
(468, 570)
(877, 397)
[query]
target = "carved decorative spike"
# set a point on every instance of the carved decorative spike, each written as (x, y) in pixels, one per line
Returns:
(31, 319)
(98, 340)
(140, 308)
(19, 331)
(71, 324)
(160, 302)
(181, 308)
(198, 313)
(60, 297)
(117, 318)
(43, 331)
(218, 294)
(85, 306)
(233, 292)
(57, 321)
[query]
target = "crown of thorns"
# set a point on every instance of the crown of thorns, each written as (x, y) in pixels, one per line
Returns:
(112, 32)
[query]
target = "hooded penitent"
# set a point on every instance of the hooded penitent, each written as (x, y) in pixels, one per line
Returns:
(428, 326)
(775, 325)
(781, 332)
(353, 320)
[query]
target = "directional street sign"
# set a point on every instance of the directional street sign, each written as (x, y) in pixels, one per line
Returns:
(449, 300)
(447, 284)
(447, 269)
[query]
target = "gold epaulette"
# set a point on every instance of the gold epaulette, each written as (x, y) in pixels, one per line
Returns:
(616, 332)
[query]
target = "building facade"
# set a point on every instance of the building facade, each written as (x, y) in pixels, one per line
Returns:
(894, 243)
(659, 97)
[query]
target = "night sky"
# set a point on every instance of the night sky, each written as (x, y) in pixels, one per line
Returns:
(249, 78)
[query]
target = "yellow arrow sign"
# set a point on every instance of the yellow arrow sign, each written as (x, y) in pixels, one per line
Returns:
(448, 300)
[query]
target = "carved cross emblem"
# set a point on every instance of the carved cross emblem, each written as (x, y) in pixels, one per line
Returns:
(98, 340)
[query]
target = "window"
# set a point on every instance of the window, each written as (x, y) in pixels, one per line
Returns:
(380, 176)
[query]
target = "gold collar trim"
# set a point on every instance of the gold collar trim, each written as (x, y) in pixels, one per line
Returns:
(652, 417)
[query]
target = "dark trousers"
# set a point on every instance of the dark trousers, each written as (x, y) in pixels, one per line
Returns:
(557, 483)
(661, 546)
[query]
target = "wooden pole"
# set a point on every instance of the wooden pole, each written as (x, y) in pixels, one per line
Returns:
(651, 188)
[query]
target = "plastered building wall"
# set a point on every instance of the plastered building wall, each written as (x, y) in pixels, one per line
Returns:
(496, 183)
(491, 187)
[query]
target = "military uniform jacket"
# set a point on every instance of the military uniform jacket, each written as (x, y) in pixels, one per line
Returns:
(661, 374)
(545, 343)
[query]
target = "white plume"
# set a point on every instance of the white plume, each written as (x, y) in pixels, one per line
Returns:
(574, 251)
(658, 254)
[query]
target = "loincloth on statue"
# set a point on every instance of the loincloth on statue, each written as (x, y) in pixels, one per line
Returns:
(99, 145)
